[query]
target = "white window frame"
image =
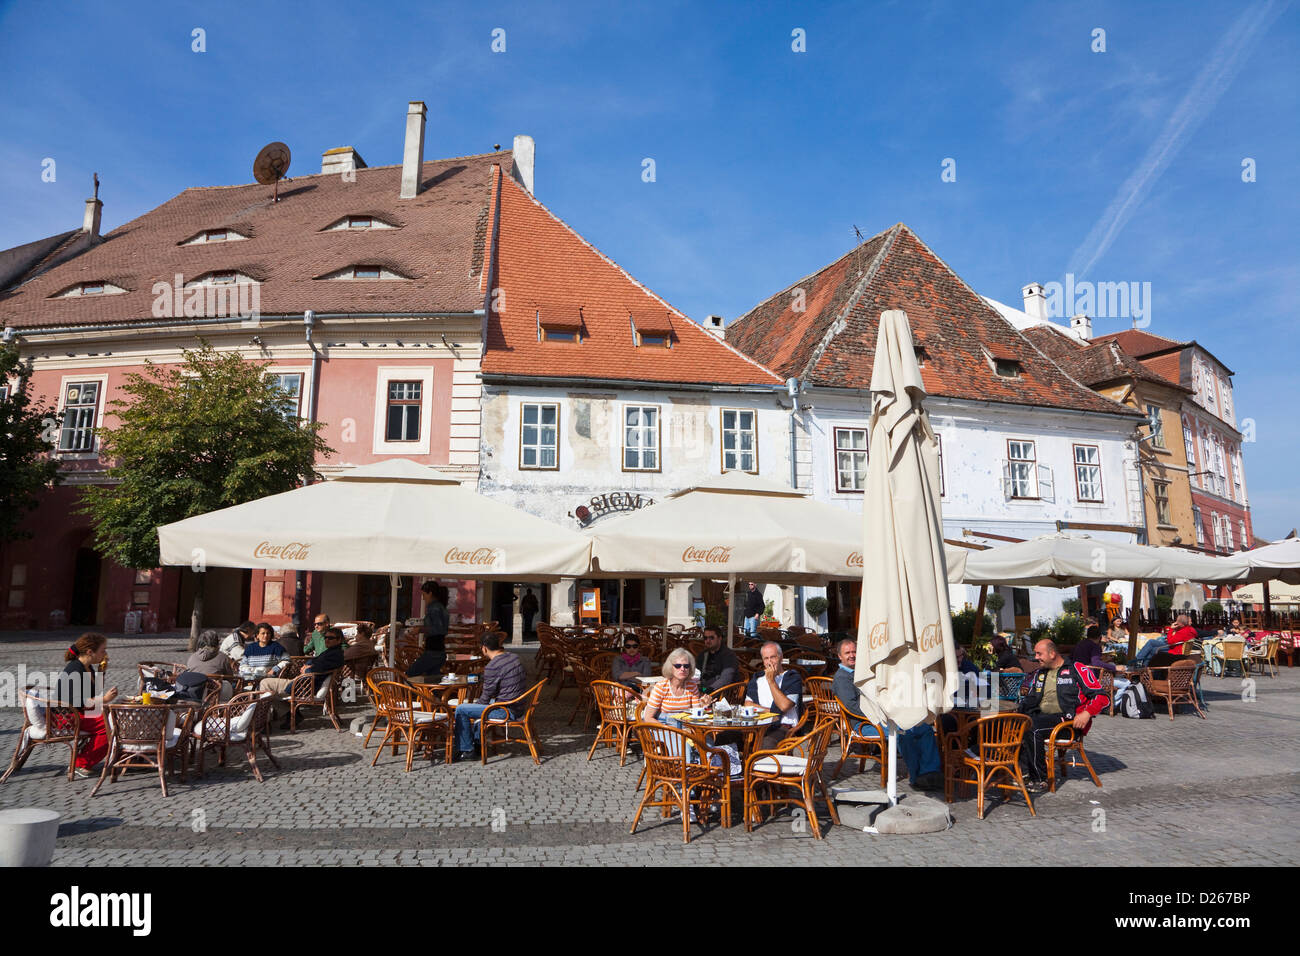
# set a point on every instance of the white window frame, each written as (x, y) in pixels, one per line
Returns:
(1078, 484)
(538, 447)
(837, 451)
(1218, 531)
(656, 445)
(410, 373)
(737, 451)
(1241, 526)
(1225, 394)
(1165, 516)
(943, 490)
(304, 373)
(1199, 527)
(1235, 457)
(93, 450)
(1189, 445)
(1157, 426)
(1032, 480)
(1227, 532)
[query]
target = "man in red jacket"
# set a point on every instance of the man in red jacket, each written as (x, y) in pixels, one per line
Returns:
(1058, 691)
(1180, 632)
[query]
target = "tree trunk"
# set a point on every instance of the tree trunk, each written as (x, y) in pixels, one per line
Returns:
(196, 616)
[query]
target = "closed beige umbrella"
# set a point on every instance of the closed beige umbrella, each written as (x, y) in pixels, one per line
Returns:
(906, 664)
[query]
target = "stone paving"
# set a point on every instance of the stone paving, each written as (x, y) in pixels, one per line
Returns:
(1222, 791)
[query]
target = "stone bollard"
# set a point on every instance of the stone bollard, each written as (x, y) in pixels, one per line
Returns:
(27, 836)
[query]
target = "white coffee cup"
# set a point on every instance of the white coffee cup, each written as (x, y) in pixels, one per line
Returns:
(697, 711)
(748, 711)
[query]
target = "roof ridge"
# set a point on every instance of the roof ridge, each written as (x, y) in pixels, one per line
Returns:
(636, 282)
(839, 324)
(360, 169)
(1162, 338)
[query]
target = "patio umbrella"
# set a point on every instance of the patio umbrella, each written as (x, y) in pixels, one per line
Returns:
(1279, 561)
(394, 517)
(1279, 593)
(906, 662)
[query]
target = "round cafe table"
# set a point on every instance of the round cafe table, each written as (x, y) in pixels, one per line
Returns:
(702, 729)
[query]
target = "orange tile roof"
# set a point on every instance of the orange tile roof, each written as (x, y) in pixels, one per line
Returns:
(832, 342)
(1139, 343)
(544, 266)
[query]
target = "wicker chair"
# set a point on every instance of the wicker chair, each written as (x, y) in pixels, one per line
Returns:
(162, 670)
(375, 677)
(45, 722)
(873, 748)
(1267, 658)
(146, 736)
(243, 721)
(528, 700)
(620, 709)
(1231, 652)
(998, 740)
(584, 675)
(673, 782)
(733, 694)
(1064, 739)
(412, 721)
(1176, 686)
(303, 693)
(793, 765)
(824, 702)
(1286, 645)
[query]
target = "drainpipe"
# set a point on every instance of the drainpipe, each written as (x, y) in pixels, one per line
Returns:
(300, 577)
(792, 387)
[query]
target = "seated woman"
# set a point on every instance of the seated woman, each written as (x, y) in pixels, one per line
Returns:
(1118, 633)
(1007, 660)
(207, 659)
(680, 691)
(628, 666)
(266, 653)
(778, 690)
(77, 687)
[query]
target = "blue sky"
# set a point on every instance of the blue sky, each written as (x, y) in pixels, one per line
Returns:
(1126, 163)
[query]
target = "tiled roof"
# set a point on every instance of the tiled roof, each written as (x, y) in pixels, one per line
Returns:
(832, 343)
(1139, 343)
(545, 269)
(1094, 364)
(1167, 366)
(441, 245)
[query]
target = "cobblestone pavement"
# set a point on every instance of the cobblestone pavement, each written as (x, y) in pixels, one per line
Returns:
(1189, 791)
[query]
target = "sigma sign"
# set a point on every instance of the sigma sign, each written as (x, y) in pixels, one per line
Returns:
(714, 555)
(293, 551)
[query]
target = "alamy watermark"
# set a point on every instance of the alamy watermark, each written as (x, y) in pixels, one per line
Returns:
(1102, 300)
(216, 300)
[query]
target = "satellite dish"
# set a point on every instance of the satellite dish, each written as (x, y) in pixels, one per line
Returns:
(271, 165)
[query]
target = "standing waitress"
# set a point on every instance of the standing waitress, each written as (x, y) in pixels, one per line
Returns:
(436, 623)
(77, 689)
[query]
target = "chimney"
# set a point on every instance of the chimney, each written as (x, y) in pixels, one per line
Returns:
(1081, 326)
(713, 324)
(413, 153)
(344, 159)
(525, 150)
(91, 223)
(1035, 301)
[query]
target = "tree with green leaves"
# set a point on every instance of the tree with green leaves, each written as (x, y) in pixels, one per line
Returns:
(207, 434)
(26, 427)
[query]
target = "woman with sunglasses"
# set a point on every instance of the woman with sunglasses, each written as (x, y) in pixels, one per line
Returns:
(679, 692)
(628, 666)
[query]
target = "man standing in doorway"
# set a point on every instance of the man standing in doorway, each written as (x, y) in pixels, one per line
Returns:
(753, 609)
(528, 610)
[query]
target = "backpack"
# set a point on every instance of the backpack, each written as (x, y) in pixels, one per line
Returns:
(1133, 702)
(191, 685)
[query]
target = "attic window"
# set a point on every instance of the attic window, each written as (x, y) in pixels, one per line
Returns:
(921, 355)
(1006, 368)
(92, 288)
(213, 235)
(360, 222)
(366, 272)
(654, 340)
(216, 235)
(221, 278)
(561, 335)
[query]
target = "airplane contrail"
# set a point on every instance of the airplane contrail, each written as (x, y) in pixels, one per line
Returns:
(1209, 86)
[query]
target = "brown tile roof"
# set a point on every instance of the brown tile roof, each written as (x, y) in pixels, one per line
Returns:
(832, 343)
(441, 245)
(544, 267)
(1139, 343)
(1095, 364)
(1167, 366)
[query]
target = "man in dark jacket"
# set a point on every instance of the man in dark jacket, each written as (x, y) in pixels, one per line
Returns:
(754, 605)
(504, 678)
(1059, 691)
(320, 667)
(718, 664)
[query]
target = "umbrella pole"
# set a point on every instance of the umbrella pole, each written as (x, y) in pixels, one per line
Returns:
(1133, 620)
(393, 582)
(892, 792)
(1267, 609)
(731, 607)
(979, 612)
(622, 586)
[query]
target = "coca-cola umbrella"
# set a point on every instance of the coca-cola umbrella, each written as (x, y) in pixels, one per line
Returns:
(395, 517)
(737, 526)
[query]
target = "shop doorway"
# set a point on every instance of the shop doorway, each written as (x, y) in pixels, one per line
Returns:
(84, 607)
(374, 593)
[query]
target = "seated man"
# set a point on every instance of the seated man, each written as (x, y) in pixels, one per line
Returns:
(503, 679)
(778, 690)
(718, 664)
(316, 643)
(266, 653)
(1170, 646)
(1059, 691)
(628, 666)
(233, 645)
(320, 666)
(916, 745)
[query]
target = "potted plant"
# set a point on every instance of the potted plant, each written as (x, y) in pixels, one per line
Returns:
(816, 607)
(1072, 606)
(995, 602)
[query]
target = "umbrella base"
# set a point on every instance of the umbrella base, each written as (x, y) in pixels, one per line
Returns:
(870, 812)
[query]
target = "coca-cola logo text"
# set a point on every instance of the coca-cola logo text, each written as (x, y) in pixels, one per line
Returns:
(293, 551)
(879, 636)
(929, 639)
(854, 560)
(476, 556)
(714, 555)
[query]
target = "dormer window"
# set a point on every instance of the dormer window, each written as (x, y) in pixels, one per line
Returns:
(93, 287)
(1005, 362)
(559, 325)
(360, 222)
(651, 330)
(216, 235)
(922, 356)
(223, 234)
(366, 272)
(1006, 368)
(222, 278)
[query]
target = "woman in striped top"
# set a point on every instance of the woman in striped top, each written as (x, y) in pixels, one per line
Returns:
(679, 692)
